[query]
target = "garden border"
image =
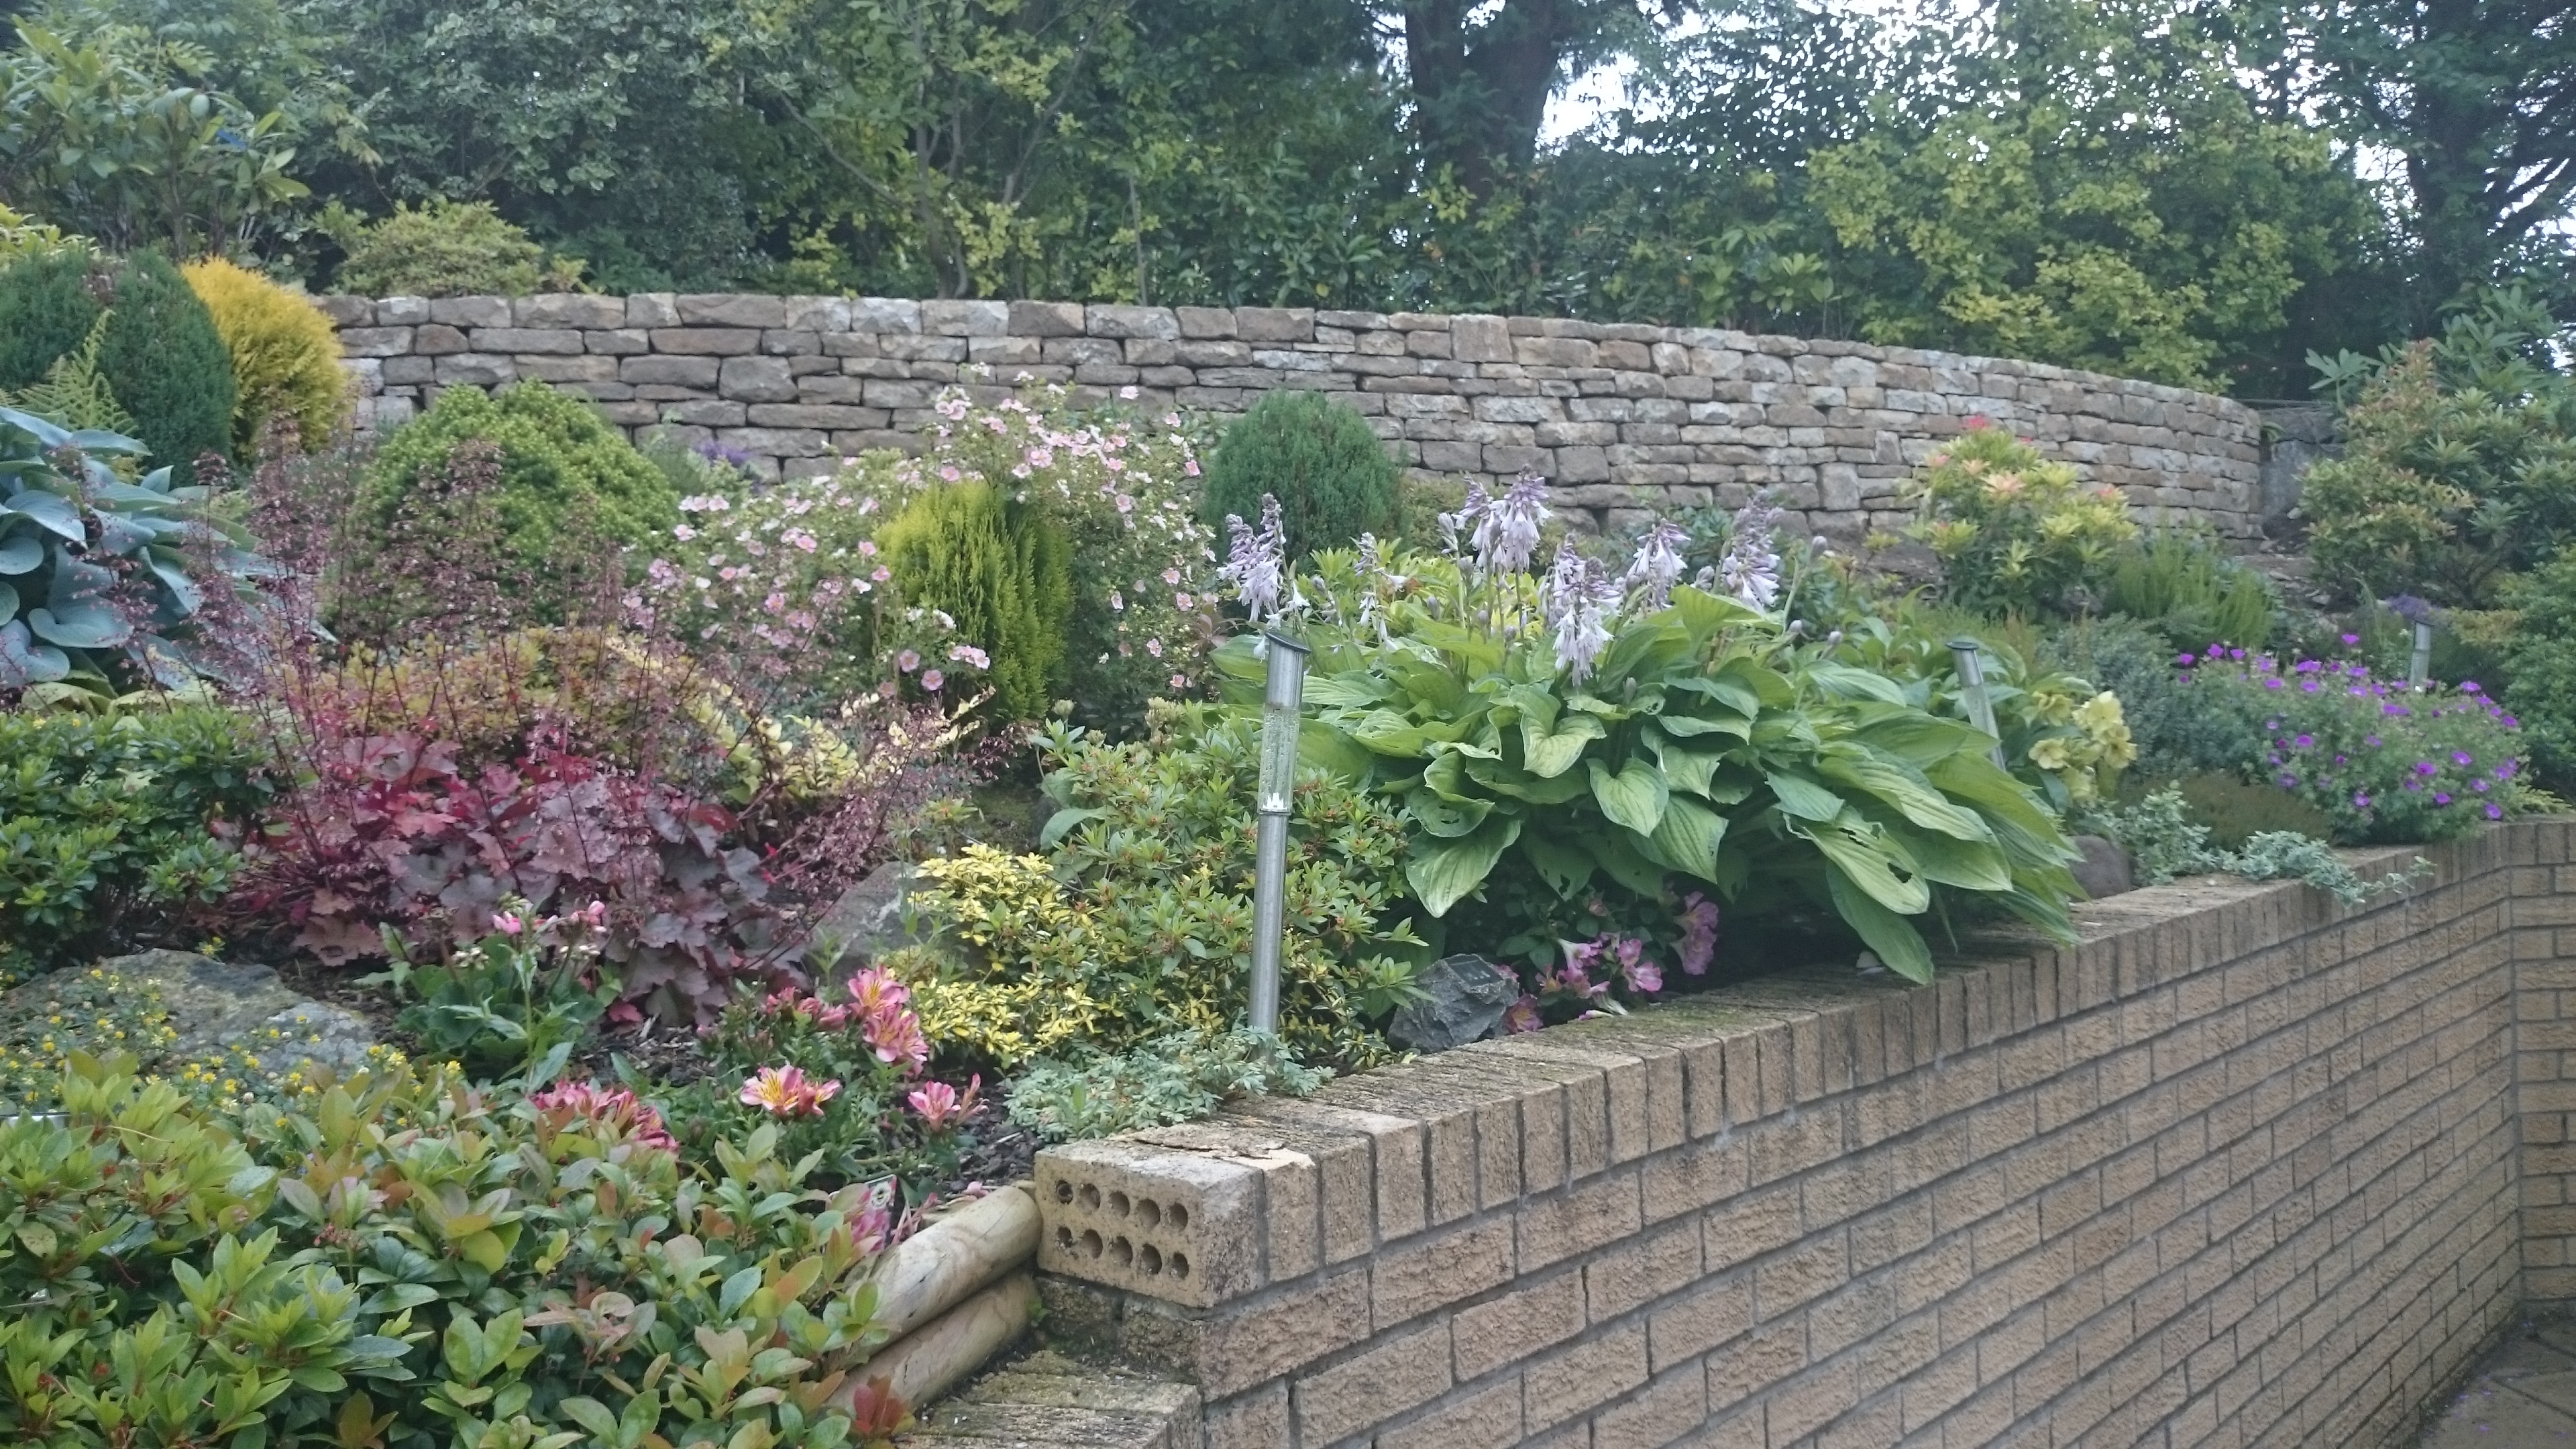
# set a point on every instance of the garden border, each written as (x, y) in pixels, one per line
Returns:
(1625, 419)
(2242, 1164)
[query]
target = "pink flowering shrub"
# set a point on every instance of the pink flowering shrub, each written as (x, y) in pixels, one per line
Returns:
(2387, 763)
(841, 1072)
(1609, 952)
(1124, 490)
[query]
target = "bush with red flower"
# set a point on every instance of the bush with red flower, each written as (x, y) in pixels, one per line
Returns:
(840, 1072)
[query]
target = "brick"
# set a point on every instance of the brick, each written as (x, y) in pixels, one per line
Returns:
(1373, 1387)
(1561, 1225)
(1670, 1406)
(1633, 1274)
(1443, 1269)
(1517, 1325)
(1576, 1380)
(1489, 1418)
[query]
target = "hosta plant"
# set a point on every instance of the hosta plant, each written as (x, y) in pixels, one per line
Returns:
(1629, 730)
(102, 581)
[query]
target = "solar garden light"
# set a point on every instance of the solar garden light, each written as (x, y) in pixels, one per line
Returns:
(1283, 697)
(1972, 692)
(2420, 667)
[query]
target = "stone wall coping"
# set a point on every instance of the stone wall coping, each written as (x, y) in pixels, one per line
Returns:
(1274, 1191)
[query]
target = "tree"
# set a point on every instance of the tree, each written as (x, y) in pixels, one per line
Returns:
(2479, 96)
(1481, 72)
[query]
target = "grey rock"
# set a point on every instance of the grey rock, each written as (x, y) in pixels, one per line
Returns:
(471, 311)
(869, 920)
(402, 311)
(2104, 870)
(216, 1004)
(1468, 996)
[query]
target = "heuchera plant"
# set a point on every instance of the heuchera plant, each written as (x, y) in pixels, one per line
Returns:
(2386, 762)
(1618, 731)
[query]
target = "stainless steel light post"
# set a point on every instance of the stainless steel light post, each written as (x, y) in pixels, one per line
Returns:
(2420, 667)
(1972, 692)
(1283, 700)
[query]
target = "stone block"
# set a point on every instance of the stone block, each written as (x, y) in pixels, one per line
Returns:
(409, 370)
(652, 309)
(756, 379)
(437, 339)
(347, 311)
(1205, 322)
(568, 309)
(776, 442)
(375, 341)
(1183, 1227)
(884, 314)
(813, 415)
(475, 369)
(552, 341)
(402, 311)
(618, 341)
(731, 310)
(550, 367)
(1105, 320)
(818, 314)
(695, 372)
(1274, 324)
(966, 319)
(706, 341)
(704, 413)
(791, 342)
(471, 311)
(1480, 339)
(1046, 319)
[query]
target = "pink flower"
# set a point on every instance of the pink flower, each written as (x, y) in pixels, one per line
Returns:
(939, 1104)
(614, 1108)
(1173, 577)
(877, 989)
(1127, 393)
(1646, 976)
(787, 1092)
(1154, 647)
(1191, 467)
(508, 923)
(931, 679)
(1180, 681)
(970, 655)
(1184, 600)
(882, 574)
(908, 661)
(1523, 1016)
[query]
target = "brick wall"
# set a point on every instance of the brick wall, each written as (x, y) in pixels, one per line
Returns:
(1624, 420)
(2243, 1167)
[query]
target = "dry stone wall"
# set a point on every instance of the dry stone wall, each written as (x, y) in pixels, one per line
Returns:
(1623, 420)
(2241, 1167)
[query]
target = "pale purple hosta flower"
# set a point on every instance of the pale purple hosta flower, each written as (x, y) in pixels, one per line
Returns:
(1257, 565)
(1506, 537)
(1657, 566)
(1580, 601)
(1751, 568)
(1470, 518)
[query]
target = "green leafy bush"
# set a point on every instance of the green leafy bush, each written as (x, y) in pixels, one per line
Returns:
(567, 487)
(1123, 489)
(104, 825)
(2179, 584)
(104, 582)
(1001, 573)
(1606, 735)
(498, 1005)
(2443, 490)
(1138, 921)
(1318, 457)
(2543, 656)
(2176, 731)
(2013, 531)
(2164, 841)
(443, 249)
(1178, 1078)
(401, 1260)
(158, 349)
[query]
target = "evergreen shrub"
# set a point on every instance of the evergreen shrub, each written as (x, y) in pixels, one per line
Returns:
(158, 350)
(1330, 473)
(443, 249)
(47, 306)
(568, 486)
(1005, 578)
(286, 358)
(2180, 584)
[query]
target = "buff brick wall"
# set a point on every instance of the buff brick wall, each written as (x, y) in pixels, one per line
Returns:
(1623, 420)
(2243, 1167)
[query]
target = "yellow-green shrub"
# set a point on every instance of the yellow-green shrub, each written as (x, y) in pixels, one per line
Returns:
(286, 359)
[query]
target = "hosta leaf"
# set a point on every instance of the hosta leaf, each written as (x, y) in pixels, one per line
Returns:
(1442, 873)
(1691, 725)
(23, 661)
(118, 535)
(1890, 935)
(1502, 779)
(1320, 746)
(20, 553)
(82, 626)
(1911, 794)
(1686, 770)
(1976, 865)
(1627, 858)
(1802, 797)
(1550, 750)
(1562, 864)
(1853, 683)
(1866, 862)
(1634, 797)
(1689, 837)
(52, 512)
(1447, 817)
(8, 603)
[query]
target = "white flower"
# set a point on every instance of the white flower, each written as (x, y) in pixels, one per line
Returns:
(1506, 536)
(1750, 569)
(1257, 563)
(1580, 600)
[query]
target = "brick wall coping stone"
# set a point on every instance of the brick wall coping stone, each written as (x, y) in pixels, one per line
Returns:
(1623, 419)
(1767, 1207)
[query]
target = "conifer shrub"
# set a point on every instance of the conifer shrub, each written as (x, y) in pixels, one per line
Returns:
(2181, 585)
(168, 365)
(47, 307)
(569, 488)
(286, 358)
(443, 249)
(1331, 475)
(1001, 574)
